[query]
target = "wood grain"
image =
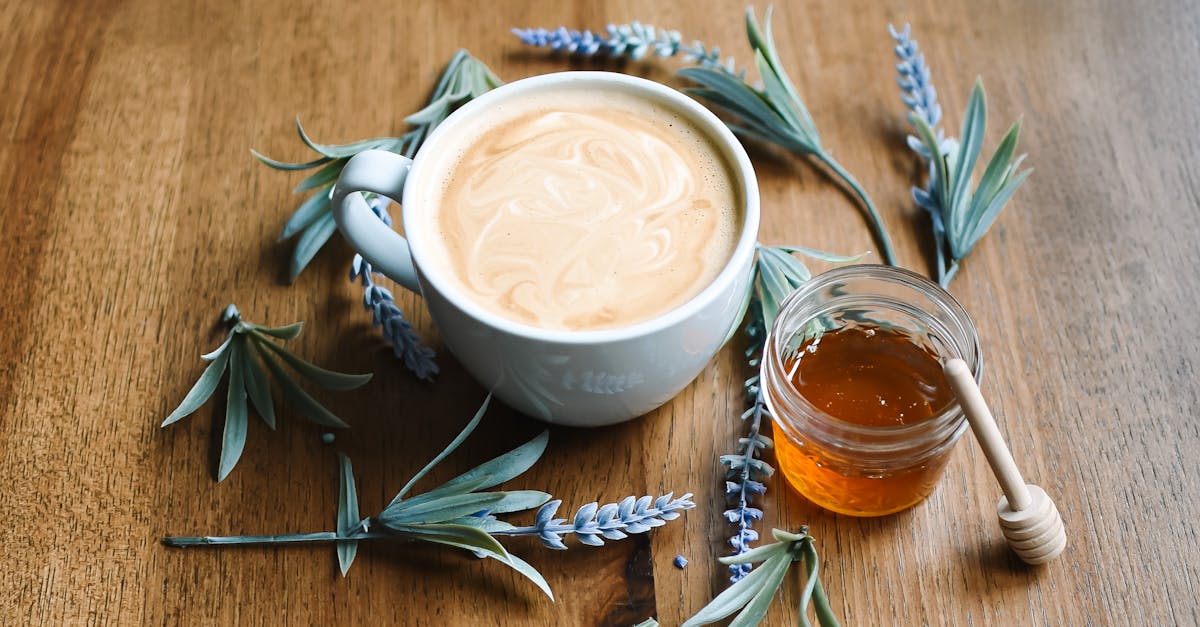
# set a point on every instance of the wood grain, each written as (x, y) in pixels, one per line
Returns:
(133, 214)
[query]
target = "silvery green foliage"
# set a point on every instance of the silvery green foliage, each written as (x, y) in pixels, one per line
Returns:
(960, 217)
(461, 512)
(312, 224)
(464, 79)
(243, 353)
(633, 40)
(752, 595)
(773, 113)
(397, 331)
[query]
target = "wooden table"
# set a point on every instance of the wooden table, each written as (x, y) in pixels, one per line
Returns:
(133, 213)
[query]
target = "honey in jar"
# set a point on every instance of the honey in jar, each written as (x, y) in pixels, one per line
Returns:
(852, 373)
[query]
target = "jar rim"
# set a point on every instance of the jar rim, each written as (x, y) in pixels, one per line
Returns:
(949, 415)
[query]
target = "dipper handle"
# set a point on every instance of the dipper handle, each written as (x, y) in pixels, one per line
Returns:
(1030, 521)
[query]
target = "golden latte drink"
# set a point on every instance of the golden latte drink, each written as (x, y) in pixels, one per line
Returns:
(583, 209)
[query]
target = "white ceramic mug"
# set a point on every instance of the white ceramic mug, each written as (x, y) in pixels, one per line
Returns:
(577, 378)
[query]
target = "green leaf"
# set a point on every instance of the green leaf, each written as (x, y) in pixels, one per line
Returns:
(437, 510)
(766, 129)
(997, 171)
(745, 306)
(346, 150)
(781, 535)
(795, 272)
(433, 113)
(824, 612)
(772, 290)
(441, 492)
(767, 304)
(732, 598)
(479, 542)
(745, 132)
(458, 440)
(257, 388)
(503, 468)
(739, 97)
(285, 332)
(461, 536)
(811, 568)
(821, 255)
(311, 241)
(220, 349)
(776, 93)
(757, 554)
(766, 43)
(348, 517)
(327, 379)
(297, 397)
(283, 165)
(973, 127)
(202, 390)
(941, 170)
(308, 212)
(756, 609)
(518, 501)
(324, 177)
(981, 223)
(233, 440)
(523, 567)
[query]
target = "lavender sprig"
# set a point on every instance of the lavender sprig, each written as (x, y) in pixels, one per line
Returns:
(916, 89)
(959, 215)
(594, 523)
(461, 512)
(396, 329)
(777, 273)
(634, 40)
(919, 95)
(747, 474)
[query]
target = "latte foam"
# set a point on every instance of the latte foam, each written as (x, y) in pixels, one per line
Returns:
(577, 210)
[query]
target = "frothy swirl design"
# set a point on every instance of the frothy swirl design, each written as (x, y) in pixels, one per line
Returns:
(588, 218)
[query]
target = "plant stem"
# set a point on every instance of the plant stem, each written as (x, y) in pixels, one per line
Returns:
(825, 616)
(320, 536)
(948, 275)
(881, 234)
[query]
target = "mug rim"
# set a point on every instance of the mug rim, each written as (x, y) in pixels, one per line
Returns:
(434, 276)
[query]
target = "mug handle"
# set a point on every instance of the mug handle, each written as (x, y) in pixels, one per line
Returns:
(379, 172)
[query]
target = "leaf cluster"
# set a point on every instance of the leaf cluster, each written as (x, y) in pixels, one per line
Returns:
(246, 349)
(961, 216)
(459, 513)
(778, 273)
(773, 113)
(464, 78)
(754, 592)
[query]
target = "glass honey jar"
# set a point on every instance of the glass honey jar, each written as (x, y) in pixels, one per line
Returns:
(864, 418)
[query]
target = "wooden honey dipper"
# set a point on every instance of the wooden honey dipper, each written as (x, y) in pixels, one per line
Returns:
(1028, 517)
